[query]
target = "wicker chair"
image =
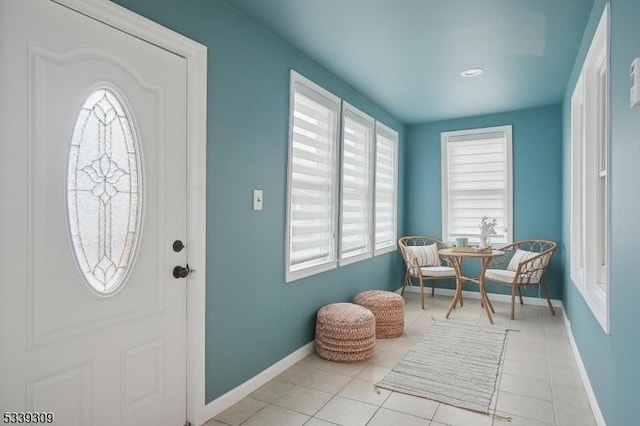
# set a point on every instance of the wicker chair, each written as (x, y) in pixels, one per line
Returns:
(525, 263)
(424, 263)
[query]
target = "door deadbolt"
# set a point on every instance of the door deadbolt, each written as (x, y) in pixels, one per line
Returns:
(178, 246)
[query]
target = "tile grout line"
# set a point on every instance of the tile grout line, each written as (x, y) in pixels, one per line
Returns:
(507, 337)
(553, 400)
(330, 399)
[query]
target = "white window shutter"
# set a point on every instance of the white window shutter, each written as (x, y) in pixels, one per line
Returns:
(386, 184)
(356, 191)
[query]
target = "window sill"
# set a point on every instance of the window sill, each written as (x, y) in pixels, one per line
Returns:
(307, 272)
(385, 250)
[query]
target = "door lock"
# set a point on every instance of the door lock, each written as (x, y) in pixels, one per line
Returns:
(178, 246)
(182, 272)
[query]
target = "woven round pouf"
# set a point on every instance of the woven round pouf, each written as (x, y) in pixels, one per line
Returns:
(345, 332)
(388, 309)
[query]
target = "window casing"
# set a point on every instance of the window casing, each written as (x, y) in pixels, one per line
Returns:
(342, 183)
(578, 186)
(477, 181)
(589, 221)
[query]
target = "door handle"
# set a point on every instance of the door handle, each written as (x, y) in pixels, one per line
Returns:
(182, 272)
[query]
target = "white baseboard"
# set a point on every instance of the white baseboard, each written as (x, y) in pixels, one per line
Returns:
(476, 295)
(225, 401)
(597, 414)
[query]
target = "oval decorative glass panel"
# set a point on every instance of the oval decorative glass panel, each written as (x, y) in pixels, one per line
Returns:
(104, 191)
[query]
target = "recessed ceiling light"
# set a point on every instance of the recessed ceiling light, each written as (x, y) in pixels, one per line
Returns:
(472, 72)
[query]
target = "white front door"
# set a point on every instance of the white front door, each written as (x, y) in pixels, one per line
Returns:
(92, 196)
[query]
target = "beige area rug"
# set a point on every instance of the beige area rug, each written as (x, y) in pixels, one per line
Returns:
(454, 363)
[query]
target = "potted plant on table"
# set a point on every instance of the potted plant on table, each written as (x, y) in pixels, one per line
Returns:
(487, 228)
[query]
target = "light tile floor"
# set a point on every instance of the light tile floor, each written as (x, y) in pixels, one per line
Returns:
(539, 381)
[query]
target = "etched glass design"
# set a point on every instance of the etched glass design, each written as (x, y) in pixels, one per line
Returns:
(104, 191)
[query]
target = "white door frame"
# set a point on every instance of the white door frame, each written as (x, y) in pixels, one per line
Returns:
(196, 56)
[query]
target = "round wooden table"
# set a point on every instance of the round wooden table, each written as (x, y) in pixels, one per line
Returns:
(455, 258)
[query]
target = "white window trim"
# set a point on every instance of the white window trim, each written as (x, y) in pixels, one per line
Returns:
(364, 119)
(586, 174)
(306, 85)
(392, 135)
(577, 229)
(445, 136)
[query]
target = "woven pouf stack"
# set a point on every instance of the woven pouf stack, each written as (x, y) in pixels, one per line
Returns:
(345, 332)
(388, 309)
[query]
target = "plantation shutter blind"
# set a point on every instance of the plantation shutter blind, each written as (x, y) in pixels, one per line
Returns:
(386, 172)
(477, 184)
(312, 177)
(356, 213)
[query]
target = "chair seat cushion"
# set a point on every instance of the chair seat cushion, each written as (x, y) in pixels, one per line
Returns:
(507, 276)
(436, 271)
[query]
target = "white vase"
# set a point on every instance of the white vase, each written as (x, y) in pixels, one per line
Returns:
(484, 242)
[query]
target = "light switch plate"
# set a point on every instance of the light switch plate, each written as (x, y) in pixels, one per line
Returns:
(257, 199)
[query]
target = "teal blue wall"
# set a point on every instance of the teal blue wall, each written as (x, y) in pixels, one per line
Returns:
(254, 319)
(612, 360)
(537, 174)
